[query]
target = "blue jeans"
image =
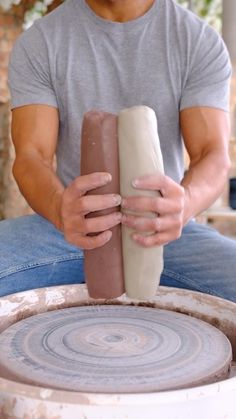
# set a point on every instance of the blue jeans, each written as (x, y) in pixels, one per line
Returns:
(33, 254)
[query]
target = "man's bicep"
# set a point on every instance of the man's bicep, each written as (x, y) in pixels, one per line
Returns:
(204, 130)
(208, 76)
(30, 77)
(35, 130)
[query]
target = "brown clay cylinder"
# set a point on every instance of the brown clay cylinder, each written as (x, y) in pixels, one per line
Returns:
(99, 153)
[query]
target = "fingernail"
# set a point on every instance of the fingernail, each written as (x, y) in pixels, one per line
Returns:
(107, 177)
(117, 199)
(135, 183)
(124, 203)
(108, 235)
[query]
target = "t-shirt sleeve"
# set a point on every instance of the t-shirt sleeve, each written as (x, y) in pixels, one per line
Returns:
(29, 75)
(208, 80)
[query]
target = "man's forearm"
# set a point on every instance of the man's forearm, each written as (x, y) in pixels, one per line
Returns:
(40, 186)
(204, 182)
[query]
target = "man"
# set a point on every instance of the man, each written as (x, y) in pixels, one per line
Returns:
(109, 55)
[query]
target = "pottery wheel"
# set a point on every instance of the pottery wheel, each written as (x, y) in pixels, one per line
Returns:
(113, 349)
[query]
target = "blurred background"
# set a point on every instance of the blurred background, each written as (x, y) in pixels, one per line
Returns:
(18, 15)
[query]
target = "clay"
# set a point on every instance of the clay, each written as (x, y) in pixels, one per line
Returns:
(77, 349)
(99, 153)
(19, 401)
(139, 154)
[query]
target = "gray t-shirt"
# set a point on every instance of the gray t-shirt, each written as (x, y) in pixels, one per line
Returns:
(74, 60)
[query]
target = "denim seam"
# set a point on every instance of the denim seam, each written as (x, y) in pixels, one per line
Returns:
(44, 262)
(188, 282)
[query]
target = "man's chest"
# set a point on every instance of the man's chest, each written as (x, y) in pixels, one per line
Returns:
(109, 75)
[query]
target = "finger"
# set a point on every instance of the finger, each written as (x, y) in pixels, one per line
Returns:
(92, 203)
(102, 223)
(158, 239)
(150, 182)
(162, 183)
(157, 205)
(169, 224)
(142, 224)
(140, 203)
(83, 184)
(89, 243)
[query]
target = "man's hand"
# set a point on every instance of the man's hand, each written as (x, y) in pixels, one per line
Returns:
(75, 205)
(168, 209)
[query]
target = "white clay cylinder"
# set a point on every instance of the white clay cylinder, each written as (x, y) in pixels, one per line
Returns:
(139, 155)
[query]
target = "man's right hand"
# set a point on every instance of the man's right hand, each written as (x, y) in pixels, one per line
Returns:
(88, 233)
(35, 136)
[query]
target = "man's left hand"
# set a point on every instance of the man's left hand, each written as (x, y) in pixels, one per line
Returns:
(167, 208)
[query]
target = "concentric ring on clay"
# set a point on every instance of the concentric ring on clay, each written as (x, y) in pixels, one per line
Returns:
(114, 349)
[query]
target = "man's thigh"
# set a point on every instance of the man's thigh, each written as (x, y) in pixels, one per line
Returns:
(201, 260)
(34, 254)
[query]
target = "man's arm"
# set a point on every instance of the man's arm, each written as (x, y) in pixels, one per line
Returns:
(206, 133)
(34, 133)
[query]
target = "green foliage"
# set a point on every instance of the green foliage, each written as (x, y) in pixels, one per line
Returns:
(211, 10)
(38, 10)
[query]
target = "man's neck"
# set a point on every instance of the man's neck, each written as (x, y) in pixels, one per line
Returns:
(120, 10)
